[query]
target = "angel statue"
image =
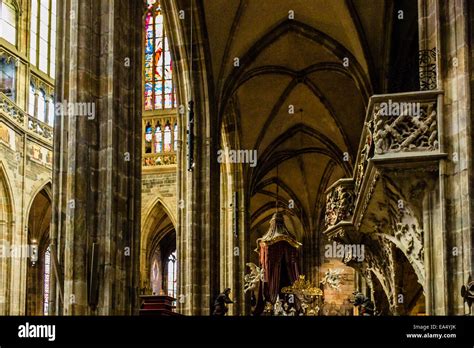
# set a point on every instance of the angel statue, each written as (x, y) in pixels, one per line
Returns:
(332, 278)
(252, 281)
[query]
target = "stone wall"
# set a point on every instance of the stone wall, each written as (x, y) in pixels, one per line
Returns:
(161, 186)
(336, 301)
(22, 177)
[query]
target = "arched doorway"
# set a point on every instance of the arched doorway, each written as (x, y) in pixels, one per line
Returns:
(163, 266)
(39, 256)
(159, 262)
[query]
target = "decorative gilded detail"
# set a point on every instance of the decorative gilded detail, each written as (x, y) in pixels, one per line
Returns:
(302, 288)
(307, 293)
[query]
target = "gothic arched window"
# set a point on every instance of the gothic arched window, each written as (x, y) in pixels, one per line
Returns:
(43, 35)
(158, 67)
(158, 139)
(41, 106)
(32, 101)
(46, 280)
(148, 137)
(8, 77)
(51, 111)
(167, 137)
(172, 279)
(9, 21)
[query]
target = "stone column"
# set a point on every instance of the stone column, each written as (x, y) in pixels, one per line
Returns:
(444, 25)
(198, 190)
(97, 164)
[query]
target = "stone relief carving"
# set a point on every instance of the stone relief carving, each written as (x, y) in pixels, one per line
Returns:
(366, 153)
(368, 195)
(416, 131)
(339, 205)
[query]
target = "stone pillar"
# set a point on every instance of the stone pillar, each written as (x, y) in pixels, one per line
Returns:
(97, 157)
(444, 25)
(198, 190)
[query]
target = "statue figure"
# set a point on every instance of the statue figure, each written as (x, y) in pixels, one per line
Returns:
(278, 308)
(220, 304)
(467, 292)
(366, 306)
(252, 282)
(332, 278)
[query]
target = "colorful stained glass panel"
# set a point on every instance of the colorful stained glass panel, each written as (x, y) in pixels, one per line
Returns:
(159, 91)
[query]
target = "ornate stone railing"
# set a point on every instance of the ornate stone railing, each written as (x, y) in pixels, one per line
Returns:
(40, 128)
(399, 129)
(340, 200)
(26, 122)
(159, 141)
(10, 109)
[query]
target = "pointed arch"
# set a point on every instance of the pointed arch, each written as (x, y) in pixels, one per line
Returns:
(38, 276)
(6, 235)
(158, 241)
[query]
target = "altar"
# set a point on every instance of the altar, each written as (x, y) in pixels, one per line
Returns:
(157, 305)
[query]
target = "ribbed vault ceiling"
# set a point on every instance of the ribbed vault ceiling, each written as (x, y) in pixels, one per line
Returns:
(295, 63)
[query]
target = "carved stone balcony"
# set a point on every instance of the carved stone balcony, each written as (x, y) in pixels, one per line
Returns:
(160, 141)
(16, 118)
(402, 134)
(400, 128)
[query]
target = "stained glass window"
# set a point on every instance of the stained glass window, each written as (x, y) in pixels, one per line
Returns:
(43, 35)
(167, 138)
(158, 139)
(41, 106)
(158, 67)
(46, 279)
(51, 111)
(8, 77)
(8, 19)
(31, 101)
(148, 137)
(172, 274)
